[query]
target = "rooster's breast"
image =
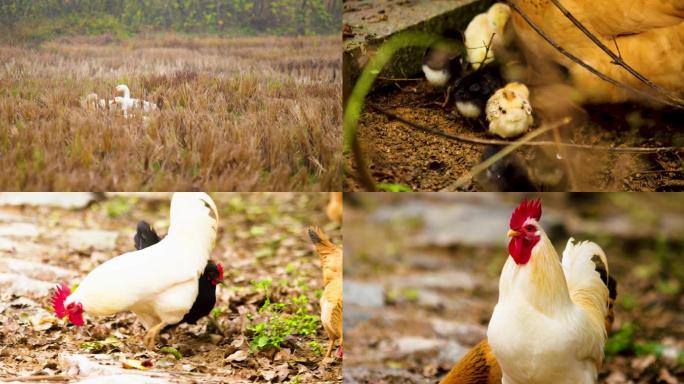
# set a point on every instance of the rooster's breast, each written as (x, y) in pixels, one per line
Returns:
(532, 347)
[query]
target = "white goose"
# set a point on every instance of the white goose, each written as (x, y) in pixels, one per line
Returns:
(126, 102)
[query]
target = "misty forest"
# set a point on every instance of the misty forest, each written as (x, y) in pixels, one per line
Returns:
(46, 18)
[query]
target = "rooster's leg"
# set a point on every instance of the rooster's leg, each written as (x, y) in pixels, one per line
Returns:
(331, 343)
(151, 335)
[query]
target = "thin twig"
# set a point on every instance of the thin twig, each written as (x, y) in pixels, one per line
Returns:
(481, 167)
(399, 79)
(475, 140)
(588, 67)
(639, 173)
(562, 151)
(617, 59)
(487, 48)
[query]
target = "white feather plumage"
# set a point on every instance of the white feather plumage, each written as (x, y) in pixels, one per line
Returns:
(127, 103)
(486, 28)
(437, 78)
(158, 283)
(546, 328)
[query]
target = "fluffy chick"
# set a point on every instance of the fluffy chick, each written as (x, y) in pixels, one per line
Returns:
(475, 88)
(484, 32)
(509, 111)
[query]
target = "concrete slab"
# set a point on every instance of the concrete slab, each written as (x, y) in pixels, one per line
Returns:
(368, 23)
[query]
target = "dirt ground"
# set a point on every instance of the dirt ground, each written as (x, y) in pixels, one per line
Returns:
(399, 154)
(261, 236)
(421, 279)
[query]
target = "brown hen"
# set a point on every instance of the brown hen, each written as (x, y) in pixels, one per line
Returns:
(647, 34)
(331, 299)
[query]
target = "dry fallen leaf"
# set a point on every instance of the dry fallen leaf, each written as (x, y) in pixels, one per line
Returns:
(667, 377)
(641, 363)
(240, 355)
(282, 372)
(133, 364)
(41, 322)
(268, 375)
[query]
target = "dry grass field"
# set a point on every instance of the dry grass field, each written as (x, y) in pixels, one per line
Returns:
(254, 113)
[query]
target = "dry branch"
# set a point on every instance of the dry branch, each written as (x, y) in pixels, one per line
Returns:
(478, 141)
(617, 59)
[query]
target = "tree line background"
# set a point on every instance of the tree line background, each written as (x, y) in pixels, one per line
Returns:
(42, 19)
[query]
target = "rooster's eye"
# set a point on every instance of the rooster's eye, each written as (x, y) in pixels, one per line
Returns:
(529, 228)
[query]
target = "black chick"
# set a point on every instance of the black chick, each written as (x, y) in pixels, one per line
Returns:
(506, 175)
(442, 62)
(474, 89)
(145, 236)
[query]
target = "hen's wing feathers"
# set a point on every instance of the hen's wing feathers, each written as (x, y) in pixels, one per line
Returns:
(649, 35)
(331, 308)
(620, 17)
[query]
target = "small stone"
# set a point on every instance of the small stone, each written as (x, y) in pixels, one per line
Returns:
(91, 239)
(215, 339)
(75, 200)
(363, 293)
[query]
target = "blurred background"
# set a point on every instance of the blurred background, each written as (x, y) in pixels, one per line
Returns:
(422, 270)
(44, 19)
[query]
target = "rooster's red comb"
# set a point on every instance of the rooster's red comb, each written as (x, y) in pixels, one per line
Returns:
(220, 269)
(62, 291)
(526, 209)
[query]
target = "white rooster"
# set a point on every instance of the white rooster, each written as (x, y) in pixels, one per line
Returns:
(549, 325)
(157, 283)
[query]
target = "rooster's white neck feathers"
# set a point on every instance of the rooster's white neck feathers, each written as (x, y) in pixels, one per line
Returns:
(540, 282)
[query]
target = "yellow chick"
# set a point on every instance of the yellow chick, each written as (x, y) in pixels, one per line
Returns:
(509, 111)
(480, 30)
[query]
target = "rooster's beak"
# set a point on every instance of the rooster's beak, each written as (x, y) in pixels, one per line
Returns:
(512, 233)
